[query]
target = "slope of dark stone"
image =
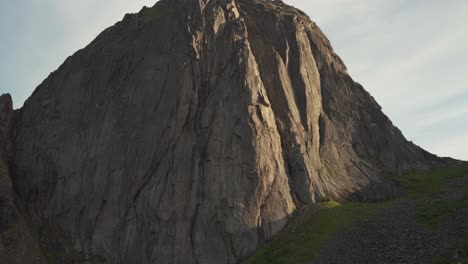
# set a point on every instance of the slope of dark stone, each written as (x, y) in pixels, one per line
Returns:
(394, 236)
(189, 133)
(17, 244)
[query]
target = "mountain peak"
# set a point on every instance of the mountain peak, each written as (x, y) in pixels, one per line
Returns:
(191, 132)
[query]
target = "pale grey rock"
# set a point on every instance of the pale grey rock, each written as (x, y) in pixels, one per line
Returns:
(190, 132)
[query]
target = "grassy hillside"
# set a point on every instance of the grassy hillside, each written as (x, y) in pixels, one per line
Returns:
(303, 240)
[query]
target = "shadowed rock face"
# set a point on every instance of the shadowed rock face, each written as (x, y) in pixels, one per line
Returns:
(17, 243)
(189, 133)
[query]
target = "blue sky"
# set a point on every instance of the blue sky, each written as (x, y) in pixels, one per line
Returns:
(412, 56)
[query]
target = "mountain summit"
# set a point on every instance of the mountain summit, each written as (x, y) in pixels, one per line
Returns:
(191, 131)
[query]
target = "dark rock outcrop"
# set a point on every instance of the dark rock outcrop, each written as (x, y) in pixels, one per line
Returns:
(189, 133)
(17, 244)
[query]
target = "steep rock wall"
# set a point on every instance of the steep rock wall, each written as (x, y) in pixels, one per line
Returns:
(18, 244)
(190, 132)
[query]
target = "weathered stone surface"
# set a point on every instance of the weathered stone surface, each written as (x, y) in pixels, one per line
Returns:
(17, 243)
(6, 124)
(189, 133)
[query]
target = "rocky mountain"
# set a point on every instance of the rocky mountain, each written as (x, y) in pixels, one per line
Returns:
(191, 131)
(18, 244)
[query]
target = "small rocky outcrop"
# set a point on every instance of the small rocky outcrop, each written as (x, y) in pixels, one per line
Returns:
(190, 132)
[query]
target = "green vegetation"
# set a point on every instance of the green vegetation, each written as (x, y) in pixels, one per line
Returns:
(304, 239)
(302, 243)
(419, 185)
(431, 213)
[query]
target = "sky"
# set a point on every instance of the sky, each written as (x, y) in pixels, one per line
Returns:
(412, 56)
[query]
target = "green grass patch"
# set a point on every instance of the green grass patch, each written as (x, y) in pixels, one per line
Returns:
(304, 242)
(427, 183)
(304, 239)
(431, 213)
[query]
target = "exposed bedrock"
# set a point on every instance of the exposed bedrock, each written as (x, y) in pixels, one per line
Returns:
(190, 132)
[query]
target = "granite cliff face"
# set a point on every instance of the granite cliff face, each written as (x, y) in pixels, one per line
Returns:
(190, 132)
(18, 245)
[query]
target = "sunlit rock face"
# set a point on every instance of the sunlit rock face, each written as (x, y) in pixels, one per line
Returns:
(190, 132)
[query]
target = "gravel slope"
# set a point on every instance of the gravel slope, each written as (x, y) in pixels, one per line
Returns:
(394, 236)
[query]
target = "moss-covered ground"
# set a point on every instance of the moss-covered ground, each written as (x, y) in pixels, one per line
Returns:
(303, 240)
